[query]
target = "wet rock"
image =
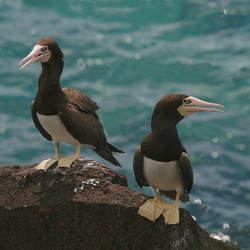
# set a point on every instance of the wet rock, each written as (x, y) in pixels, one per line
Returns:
(88, 206)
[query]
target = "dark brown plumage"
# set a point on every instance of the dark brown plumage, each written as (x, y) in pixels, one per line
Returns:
(76, 111)
(163, 144)
(161, 161)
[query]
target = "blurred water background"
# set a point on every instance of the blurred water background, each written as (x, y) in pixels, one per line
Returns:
(126, 55)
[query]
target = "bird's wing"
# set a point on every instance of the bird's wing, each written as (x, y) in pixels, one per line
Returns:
(186, 171)
(83, 126)
(184, 148)
(87, 129)
(82, 122)
(37, 123)
(84, 109)
(138, 168)
(80, 119)
(80, 100)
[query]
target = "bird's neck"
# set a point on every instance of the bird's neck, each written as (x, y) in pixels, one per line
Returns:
(49, 79)
(162, 144)
(50, 95)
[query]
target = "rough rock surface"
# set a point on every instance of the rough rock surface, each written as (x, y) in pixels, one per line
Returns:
(88, 206)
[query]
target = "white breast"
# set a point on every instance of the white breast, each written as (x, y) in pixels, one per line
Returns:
(163, 175)
(53, 125)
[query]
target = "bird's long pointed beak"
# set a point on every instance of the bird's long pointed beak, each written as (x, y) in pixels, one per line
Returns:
(193, 105)
(34, 56)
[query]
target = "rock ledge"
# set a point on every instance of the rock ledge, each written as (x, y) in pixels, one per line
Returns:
(88, 206)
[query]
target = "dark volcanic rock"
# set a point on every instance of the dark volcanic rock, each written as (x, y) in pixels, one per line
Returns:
(88, 206)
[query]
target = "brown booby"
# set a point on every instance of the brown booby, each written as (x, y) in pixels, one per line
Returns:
(64, 115)
(161, 161)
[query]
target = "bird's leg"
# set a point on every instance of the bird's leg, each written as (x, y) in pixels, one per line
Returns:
(67, 161)
(45, 164)
(153, 208)
(171, 213)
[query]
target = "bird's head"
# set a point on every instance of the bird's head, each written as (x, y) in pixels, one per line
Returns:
(45, 50)
(175, 107)
(190, 105)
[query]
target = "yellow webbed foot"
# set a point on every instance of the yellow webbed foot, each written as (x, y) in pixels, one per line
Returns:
(171, 214)
(151, 209)
(45, 164)
(67, 161)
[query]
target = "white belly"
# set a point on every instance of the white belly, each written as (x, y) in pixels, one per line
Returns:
(163, 175)
(53, 125)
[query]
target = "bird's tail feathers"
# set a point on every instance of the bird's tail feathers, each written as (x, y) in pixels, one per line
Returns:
(107, 155)
(184, 197)
(172, 195)
(114, 149)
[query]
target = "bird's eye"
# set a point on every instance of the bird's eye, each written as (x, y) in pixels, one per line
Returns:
(44, 49)
(187, 101)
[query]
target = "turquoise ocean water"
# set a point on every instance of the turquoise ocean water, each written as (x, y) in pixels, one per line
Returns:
(126, 55)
